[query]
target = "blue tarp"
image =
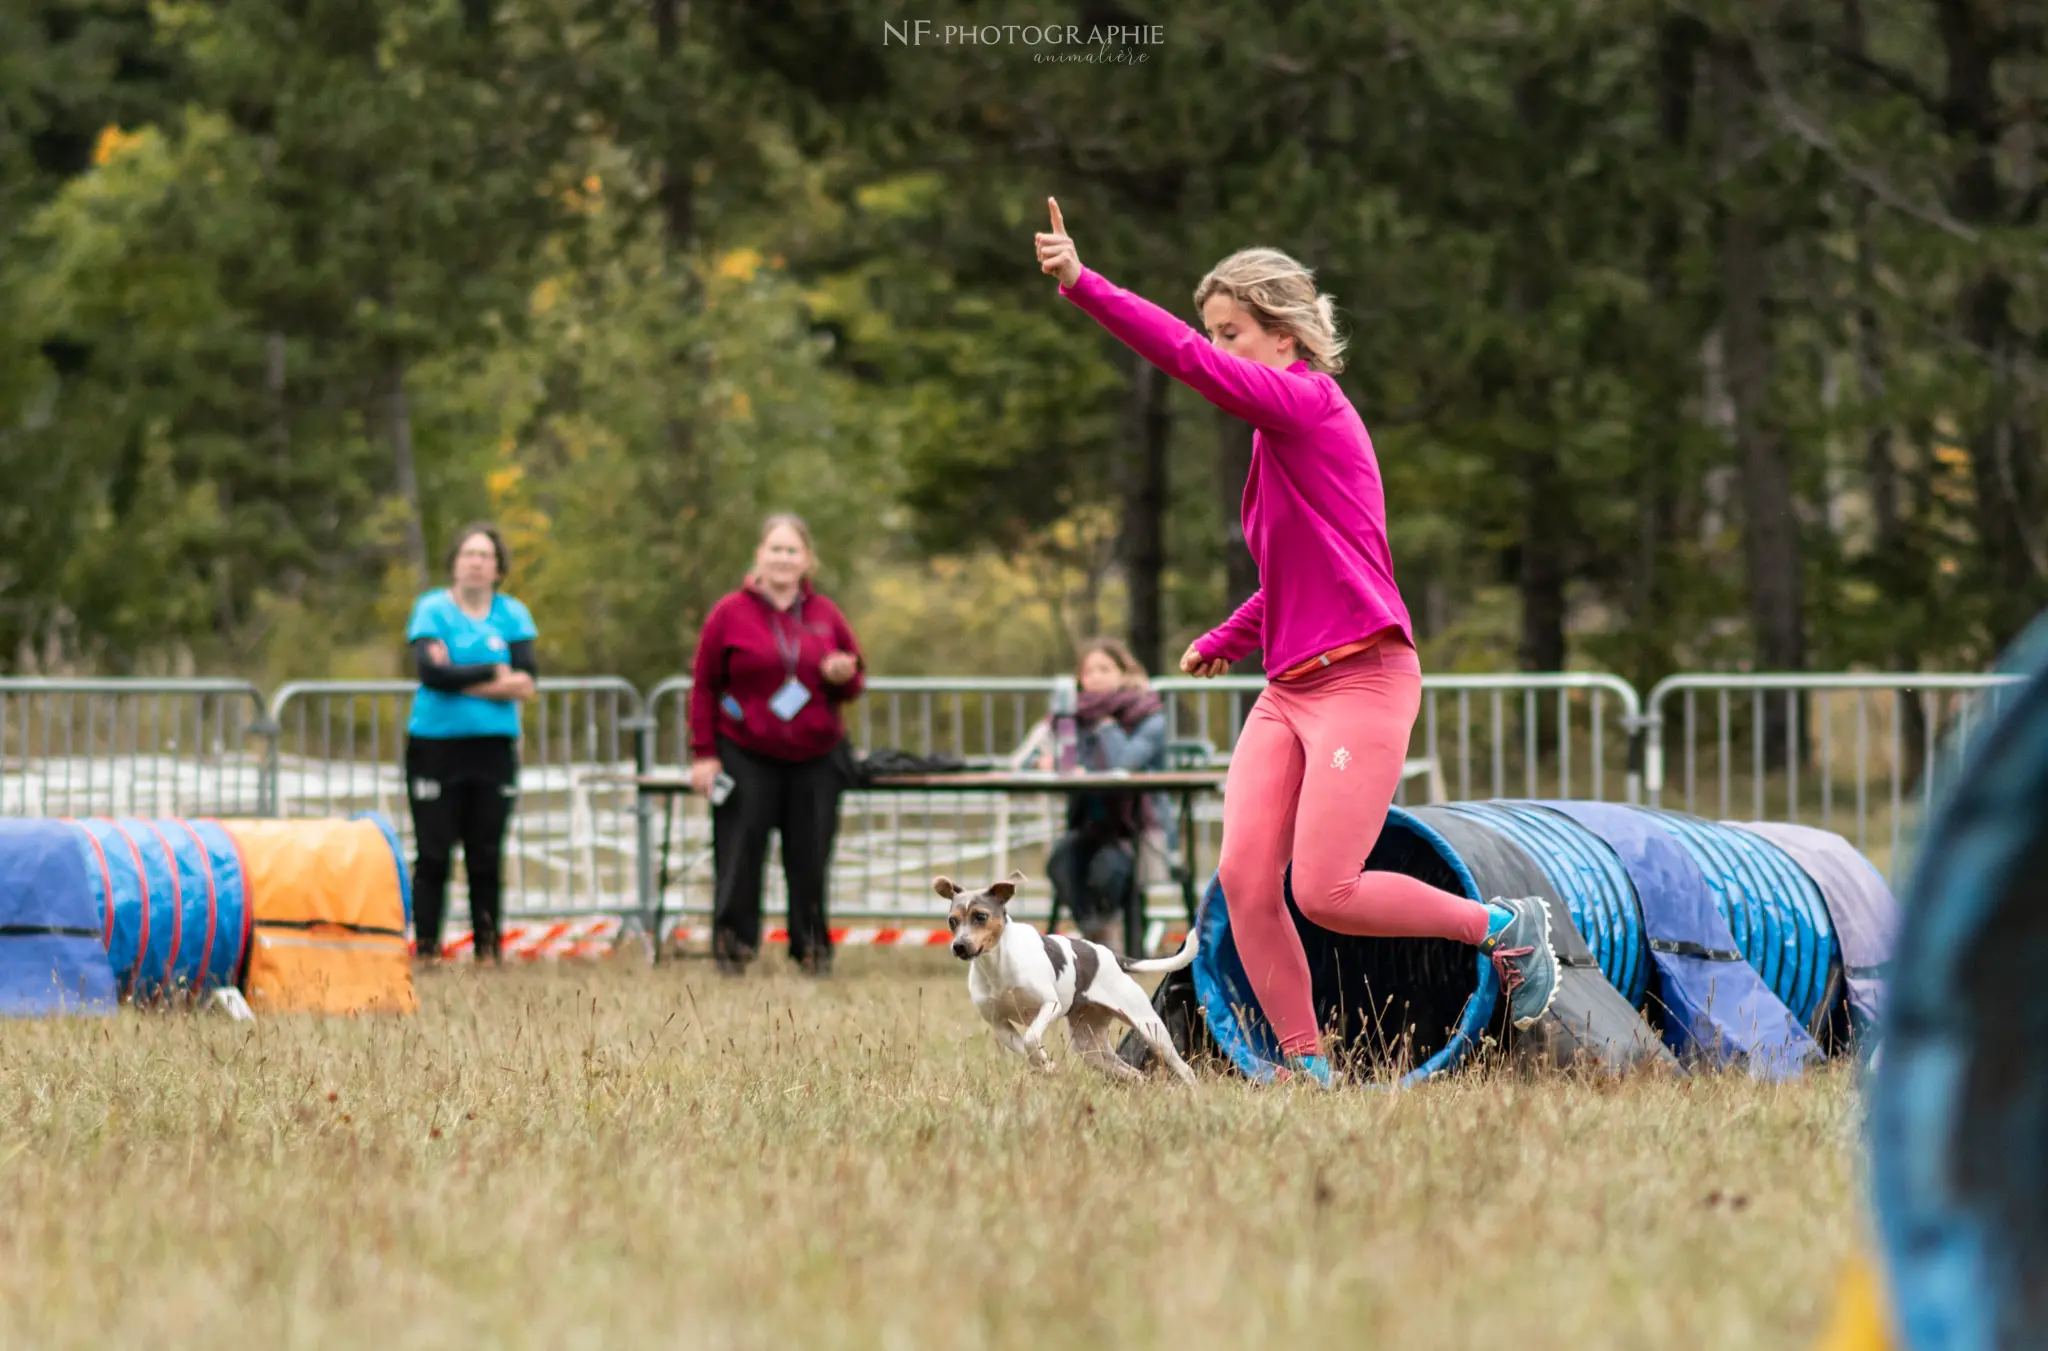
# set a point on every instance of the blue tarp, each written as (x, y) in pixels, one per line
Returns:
(1861, 904)
(53, 957)
(1774, 911)
(1715, 1003)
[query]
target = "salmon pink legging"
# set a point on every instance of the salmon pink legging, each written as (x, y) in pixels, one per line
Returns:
(1311, 778)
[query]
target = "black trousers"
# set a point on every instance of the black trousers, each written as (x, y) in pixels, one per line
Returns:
(463, 791)
(1091, 875)
(798, 800)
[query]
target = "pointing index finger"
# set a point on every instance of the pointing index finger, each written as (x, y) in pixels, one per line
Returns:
(1059, 227)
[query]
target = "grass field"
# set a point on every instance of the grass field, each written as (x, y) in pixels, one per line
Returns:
(600, 1156)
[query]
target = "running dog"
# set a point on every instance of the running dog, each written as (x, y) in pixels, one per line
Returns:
(1021, 980)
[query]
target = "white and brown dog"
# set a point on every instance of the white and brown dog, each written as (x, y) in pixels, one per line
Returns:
(1022, 980)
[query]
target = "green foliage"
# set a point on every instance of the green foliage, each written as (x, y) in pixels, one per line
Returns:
(288, 291)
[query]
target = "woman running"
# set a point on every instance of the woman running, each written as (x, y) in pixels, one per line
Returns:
(1319, 757)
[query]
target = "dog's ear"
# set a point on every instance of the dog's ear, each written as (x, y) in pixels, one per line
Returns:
(946, 887)
(1005, 889)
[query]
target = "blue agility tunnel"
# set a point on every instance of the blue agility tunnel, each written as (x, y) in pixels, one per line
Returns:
(1424, 1005)
(1861, 906)
(1710, 1003)
(1774, 911)
(1959, 1093)
(1718, 934)
(1424, 1001)
(53, 955)
(170, 900)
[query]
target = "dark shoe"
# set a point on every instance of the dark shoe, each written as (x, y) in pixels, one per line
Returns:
(731, 955)
(1518, 941)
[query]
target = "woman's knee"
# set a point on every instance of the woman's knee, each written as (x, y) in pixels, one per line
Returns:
(1251, 881)
(1326, 886)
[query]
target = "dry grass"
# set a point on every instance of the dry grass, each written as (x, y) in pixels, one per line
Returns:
(604, 1157)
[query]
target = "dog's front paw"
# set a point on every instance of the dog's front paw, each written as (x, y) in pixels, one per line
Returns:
(1040, 1060)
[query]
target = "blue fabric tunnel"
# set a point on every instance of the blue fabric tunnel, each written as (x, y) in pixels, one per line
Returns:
(1712, 1003)
(53, 955)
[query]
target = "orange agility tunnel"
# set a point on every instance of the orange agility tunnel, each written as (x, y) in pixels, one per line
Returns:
(327, 908)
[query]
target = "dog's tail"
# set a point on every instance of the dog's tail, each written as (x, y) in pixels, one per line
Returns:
(1185, 957)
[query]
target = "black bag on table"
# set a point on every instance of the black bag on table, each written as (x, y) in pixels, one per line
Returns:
(888, 763)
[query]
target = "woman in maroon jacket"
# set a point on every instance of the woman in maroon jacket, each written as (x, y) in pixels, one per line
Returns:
(775, 663)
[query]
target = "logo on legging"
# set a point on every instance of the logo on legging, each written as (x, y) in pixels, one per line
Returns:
(426, 790)
(1340, 759)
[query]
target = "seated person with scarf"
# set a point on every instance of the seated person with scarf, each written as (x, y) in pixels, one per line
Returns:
(1122, 726)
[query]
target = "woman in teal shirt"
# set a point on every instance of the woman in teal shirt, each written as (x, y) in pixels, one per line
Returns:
(474, 651)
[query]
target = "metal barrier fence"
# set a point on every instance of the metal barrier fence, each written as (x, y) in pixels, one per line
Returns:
(1563, 735)
(1810, 748)
(890, 845)
(574, 848)
(1844, 752)
(132, 748)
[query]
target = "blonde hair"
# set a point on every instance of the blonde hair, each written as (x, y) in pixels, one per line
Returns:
(1133, 670)
(803, 532)
(1281, 295)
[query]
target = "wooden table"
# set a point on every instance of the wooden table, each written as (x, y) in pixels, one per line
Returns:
(1183, 784)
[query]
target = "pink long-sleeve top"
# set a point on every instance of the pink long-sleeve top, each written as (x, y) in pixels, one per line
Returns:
(1315, 513)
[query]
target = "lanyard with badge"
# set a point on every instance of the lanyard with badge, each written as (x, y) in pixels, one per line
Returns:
(791, 698)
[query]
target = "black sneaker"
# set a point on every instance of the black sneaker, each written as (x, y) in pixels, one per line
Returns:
(1518, 941)
(730, 955)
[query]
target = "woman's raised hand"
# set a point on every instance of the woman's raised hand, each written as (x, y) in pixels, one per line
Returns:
(1056, 254)
(838, 667)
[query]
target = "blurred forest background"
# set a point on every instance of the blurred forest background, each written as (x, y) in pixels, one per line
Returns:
(1691, 334)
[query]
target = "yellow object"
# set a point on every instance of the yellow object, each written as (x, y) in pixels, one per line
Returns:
(1862, 1322)
(328, 917)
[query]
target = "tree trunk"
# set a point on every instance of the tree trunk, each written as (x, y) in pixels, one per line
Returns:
(1657, 482)
(398, 416)
(1899, 572)
(2004, 448)
(1770, 527)
(1233, 468)
(1143, 543)
(1542, 566)
(1542, 572)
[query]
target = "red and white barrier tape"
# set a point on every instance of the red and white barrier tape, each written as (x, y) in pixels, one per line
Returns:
(586, 938)
(592, 937)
